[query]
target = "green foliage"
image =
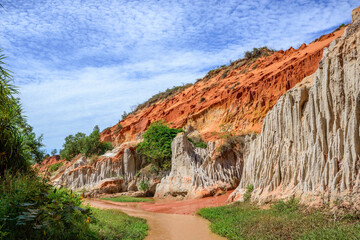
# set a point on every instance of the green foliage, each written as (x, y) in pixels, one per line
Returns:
(284, 220)
(225, 73)
(55, 166)
(19, 146)
(157, 144)
(202, 99)
(155, 170)
(162, 95)
(86, 145)
(124, 115)
(144, 185)
(250, 57)
(128, 199)
(114, 224)
(199, 144)
(247, 194)
(53, 152)
(32, 209)
(341, 26)
(228, 138)
(118, 128)
(258, 52)
(291, 205)
(214, 72)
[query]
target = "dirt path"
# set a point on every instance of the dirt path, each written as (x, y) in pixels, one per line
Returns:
(164, 226)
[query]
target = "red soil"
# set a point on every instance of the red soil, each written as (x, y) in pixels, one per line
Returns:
(47, 162)
(187, 207)
(241, 99)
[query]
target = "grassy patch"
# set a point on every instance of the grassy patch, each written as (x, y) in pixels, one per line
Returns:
(128, 199)
(114, 224)
(284, 220)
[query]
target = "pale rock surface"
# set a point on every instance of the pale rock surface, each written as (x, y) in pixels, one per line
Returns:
(310, 142)
(106, 169)
(197, 172)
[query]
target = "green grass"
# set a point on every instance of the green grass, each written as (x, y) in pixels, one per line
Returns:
(284, 220)
(128, 199)
(114, 224)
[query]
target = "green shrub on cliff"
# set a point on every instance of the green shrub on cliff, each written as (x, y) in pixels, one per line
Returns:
(86, 145)
(55, 166)
(157, 144)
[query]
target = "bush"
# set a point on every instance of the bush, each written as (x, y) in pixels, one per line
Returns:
(118, 128)
(199, 144)
(288, 206)
(86, 145)
(157, 144)
(162, 95)
(341, 26)
(258, 52)
(31, 208)
(124, 115)
(144, 185)
(228, 138)
(55, 166)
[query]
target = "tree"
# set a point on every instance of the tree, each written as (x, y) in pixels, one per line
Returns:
(19, 146)
(53, 152)
(86, 145)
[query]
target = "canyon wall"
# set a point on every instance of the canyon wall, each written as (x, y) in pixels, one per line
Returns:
(239, 95)
(310, 141)
(119, 170)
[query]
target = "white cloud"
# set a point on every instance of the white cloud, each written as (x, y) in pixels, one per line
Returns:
(81, 63)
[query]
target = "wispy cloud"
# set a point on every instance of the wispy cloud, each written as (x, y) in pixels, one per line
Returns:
(81, 63)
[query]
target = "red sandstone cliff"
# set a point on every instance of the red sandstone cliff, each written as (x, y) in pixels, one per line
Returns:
(242, 98)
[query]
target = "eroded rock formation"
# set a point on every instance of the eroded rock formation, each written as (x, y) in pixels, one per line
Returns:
(197, 172)
(116, 171)
(310, 141)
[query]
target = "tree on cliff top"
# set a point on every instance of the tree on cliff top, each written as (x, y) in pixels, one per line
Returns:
(86, 145)
(157, 144)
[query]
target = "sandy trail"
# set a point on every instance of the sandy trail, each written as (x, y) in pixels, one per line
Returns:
(172, 225)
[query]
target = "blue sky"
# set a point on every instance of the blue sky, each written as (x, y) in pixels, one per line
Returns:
(82, 63)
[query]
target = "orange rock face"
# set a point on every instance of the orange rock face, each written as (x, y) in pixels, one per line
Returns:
(44, 166)
(240, 95)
